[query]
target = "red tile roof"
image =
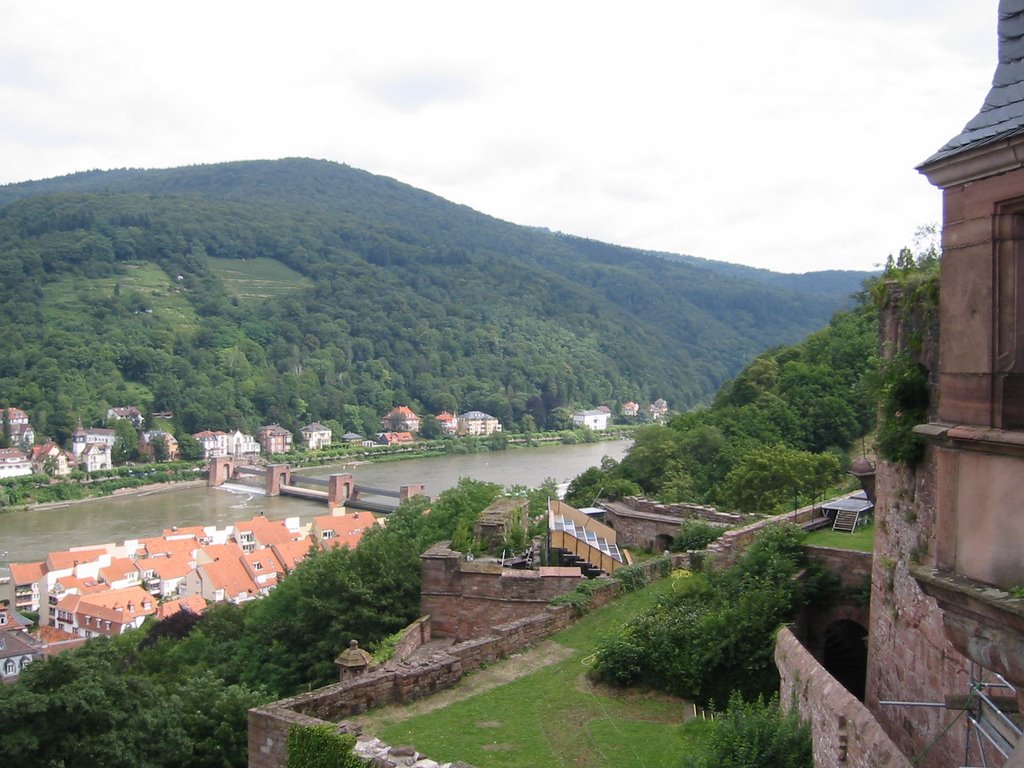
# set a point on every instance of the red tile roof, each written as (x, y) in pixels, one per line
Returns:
(27, 573)
(192, 603)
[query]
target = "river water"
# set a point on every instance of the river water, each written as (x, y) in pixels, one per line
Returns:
(27, 535)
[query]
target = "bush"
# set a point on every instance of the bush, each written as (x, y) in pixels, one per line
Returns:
(632, 577)
(321, 746)
(756, 734)
(715, 633)
(579, 598)
(695, 534)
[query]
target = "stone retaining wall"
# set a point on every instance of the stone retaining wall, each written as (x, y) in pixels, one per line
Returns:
(852, 568)
(843, 730)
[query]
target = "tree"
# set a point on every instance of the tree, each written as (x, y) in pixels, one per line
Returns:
(429, 428)
(126, 442)
(159, 448)
(775, 477)
(189, 447)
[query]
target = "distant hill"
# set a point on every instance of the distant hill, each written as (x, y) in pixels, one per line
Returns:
(292, 290)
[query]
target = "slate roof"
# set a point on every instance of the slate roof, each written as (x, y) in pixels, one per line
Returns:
(1002, 114)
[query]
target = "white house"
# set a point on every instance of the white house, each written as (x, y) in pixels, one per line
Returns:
(316, 436)
(478, 424)
(14, 463)
(236, 444)
(595, 420)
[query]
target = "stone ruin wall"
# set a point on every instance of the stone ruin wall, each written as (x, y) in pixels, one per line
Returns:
(682, 511)
(844, 731)
(465, 599)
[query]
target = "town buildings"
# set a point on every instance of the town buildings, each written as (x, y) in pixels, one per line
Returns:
(274, 438)
(235, 444)
(401, 419)
(14, 463)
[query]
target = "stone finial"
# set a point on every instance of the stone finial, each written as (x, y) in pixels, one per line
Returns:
(353, 660)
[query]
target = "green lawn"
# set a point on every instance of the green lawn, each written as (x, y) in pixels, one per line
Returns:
(862, 540)
(257, 278)
(554, 716)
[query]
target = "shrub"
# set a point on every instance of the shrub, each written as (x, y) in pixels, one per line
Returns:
(695, 534)
(715, 633)
(631, 577)
(756, 734)
(321, 746)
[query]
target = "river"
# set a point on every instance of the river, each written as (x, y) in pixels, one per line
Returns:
(27, 535)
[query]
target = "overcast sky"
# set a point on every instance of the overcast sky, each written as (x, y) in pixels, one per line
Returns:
(780, 134)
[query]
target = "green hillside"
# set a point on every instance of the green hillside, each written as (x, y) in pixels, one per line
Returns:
(293, 290)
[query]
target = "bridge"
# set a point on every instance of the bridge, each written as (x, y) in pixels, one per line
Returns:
(335, 490)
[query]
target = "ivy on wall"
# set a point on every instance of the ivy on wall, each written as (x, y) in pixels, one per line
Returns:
(321, 746)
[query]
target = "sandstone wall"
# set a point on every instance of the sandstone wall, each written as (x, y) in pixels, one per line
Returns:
(843, 730)
(467, 599)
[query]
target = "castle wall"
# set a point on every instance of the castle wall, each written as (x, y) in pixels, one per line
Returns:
(843, 730)
(467, 599)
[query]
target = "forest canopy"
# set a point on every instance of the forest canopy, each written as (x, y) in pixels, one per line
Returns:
(298, 290)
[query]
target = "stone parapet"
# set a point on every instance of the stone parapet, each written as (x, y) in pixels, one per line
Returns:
(843, 731)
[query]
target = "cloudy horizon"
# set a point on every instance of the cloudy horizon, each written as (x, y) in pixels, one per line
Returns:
(782, 137)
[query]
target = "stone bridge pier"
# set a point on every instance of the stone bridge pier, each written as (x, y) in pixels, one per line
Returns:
(340, 488)
(277, 475)
(222, 469)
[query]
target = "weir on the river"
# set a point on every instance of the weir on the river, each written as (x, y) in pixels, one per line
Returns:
(335, 490)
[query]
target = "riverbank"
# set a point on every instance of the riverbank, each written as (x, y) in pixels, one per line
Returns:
(145, 490)
(28, 535)
(440, 449)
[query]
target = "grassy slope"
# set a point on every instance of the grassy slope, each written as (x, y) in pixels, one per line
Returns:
(257, 278)
(555, 716)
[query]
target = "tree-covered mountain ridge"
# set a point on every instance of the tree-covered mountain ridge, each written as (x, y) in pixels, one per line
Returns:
(292, 290)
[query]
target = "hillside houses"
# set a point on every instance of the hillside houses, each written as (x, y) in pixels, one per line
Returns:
(235, 444)
(14, 463)
(149, 441)
(478, 424)
(400, 419)
(315, 436)
(50, 459)
(274, 438)
(448, 423)
(596, 419)
(19, 429)
(128, 413)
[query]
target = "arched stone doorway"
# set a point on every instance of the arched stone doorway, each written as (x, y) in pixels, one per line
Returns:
(846, 654)
(662, 542)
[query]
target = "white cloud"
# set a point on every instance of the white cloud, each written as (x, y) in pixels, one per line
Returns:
(778, 134)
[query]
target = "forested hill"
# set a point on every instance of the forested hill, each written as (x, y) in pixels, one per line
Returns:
(293, 290)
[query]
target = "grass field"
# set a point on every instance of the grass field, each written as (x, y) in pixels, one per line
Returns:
(553, 716)
(862, 540)
(257, 278)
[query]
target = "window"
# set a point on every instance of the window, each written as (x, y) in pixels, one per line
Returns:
(9, 668)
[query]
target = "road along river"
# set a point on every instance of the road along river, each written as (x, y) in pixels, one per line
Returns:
(27, 535)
